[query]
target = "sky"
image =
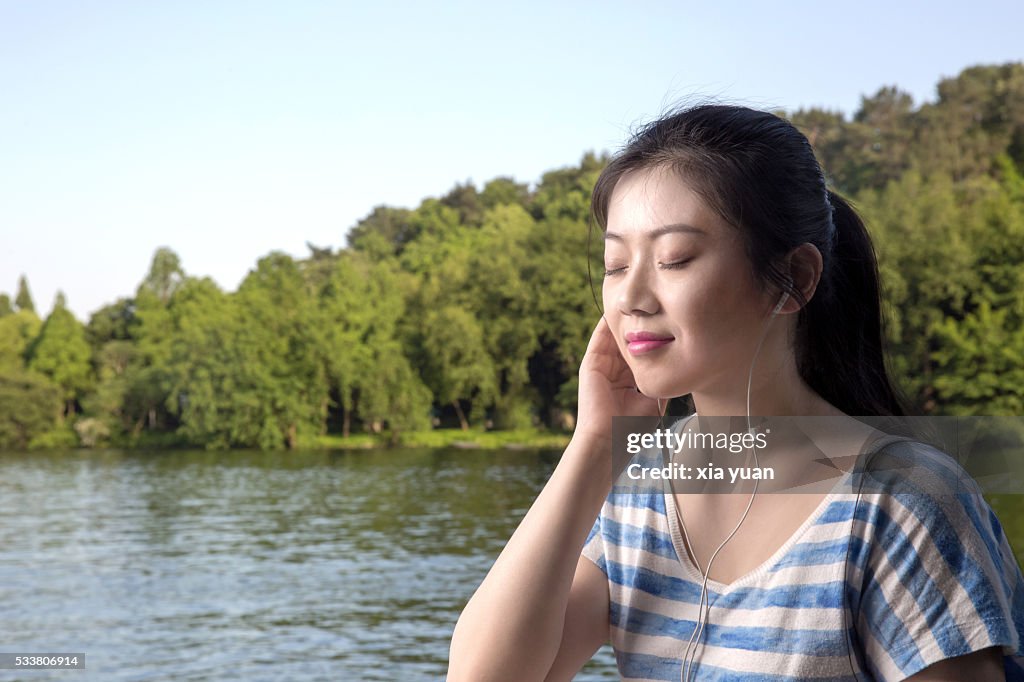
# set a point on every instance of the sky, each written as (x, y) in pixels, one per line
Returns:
(226, 129)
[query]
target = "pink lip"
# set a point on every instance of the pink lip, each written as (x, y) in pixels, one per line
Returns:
(644, 342)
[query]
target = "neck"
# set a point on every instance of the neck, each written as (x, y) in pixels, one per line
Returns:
(776, 389)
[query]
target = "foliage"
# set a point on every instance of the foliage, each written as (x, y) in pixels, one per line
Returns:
(23, 299)
(474, 308)
(62, 353)
(30, 406)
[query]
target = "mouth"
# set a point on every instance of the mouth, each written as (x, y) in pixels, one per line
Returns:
(639, 343)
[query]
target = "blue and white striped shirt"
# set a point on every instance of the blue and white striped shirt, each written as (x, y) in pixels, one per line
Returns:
(917, 577)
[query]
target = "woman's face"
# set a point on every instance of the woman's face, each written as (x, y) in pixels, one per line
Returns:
(679, 292)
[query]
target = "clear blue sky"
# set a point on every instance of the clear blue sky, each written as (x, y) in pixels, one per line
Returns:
(229, 129)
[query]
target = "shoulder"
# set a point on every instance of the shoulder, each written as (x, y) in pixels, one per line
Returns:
(938, 579)
(922, 504)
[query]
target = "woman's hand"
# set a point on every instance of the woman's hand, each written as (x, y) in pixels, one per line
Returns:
(607, 387)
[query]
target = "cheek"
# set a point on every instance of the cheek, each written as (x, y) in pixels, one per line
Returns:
(613, 318)
(606, 297)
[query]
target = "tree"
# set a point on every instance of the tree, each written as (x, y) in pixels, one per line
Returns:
(29, 407)
(23, 300)
(503, 191)
(978, 116)
(877, 143)
(111, 400)
(147, 319)
(5, 305)
(278, 335)
(459, 368)
(981, 359)
(165, 275)
(17, 331)
(387, 389)
(385, 231)
(348, 302)
(202, 367)
(245, 368)
(565, 193)
(397, 397)
(504, 305)
(564, 309)
(112, 322)
(62, 353)
(466, 200)
(980, 353)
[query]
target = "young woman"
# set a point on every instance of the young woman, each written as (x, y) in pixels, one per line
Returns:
(735, 277)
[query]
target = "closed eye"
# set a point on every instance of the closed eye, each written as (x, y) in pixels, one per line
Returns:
(675, 265)
(609, 272)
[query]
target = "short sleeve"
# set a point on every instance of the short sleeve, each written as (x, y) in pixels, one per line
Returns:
(939, 578)
(593, 549)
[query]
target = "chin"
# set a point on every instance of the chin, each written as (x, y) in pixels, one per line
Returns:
(660, 390)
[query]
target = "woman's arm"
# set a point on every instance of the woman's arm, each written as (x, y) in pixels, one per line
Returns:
(514, 625)
(542, 604)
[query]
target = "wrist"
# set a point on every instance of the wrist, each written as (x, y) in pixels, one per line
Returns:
(591, 445)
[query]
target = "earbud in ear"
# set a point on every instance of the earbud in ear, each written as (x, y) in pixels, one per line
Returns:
(783, 298)
(782, 302)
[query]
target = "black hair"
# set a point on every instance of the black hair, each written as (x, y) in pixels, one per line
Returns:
(759, 173)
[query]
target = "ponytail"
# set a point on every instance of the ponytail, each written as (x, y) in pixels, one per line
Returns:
(841, 348)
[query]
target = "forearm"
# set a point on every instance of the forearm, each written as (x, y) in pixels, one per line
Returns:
(512, 626)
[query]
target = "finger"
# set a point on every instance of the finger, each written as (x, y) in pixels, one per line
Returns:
(604, 339)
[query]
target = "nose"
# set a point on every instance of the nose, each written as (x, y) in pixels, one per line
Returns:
(635, 295)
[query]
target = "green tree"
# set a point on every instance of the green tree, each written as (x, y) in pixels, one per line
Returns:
(112, 322)
(17, 331)
(391, 394)
(202, 368)
(980, 352)
(504, 306)
(165, 275)
(981, 361)
(565, 193)
(110, 400)
(23, 299)
(467, 202)
(279, 336)
(147, 320)
(62, 353)
(5, 305)
(246, 371)
(565, 309)
(30, 406)
(503, 191)
(385, 231)
(978, 116)
(458, 368)
(348, 303)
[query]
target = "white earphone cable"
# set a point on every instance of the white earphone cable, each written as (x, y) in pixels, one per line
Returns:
(690, 657)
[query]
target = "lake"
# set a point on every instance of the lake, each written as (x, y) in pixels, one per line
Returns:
(186, 565)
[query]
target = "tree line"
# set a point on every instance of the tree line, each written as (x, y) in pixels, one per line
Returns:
(475, 307)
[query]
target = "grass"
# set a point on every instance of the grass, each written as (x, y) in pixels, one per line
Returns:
(439, 438)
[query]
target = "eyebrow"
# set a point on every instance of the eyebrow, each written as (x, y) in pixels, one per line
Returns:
(663, 230)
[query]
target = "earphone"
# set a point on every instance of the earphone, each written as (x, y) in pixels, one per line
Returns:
(689, 658)
(778, 306)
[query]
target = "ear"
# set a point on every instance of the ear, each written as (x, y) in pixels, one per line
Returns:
(803, 265)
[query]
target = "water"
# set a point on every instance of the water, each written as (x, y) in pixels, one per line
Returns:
(262, 566)
(257, 566)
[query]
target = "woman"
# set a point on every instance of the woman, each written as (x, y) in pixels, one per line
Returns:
(722, 247)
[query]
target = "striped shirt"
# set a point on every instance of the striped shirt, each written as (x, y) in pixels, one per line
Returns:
(874, 588)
